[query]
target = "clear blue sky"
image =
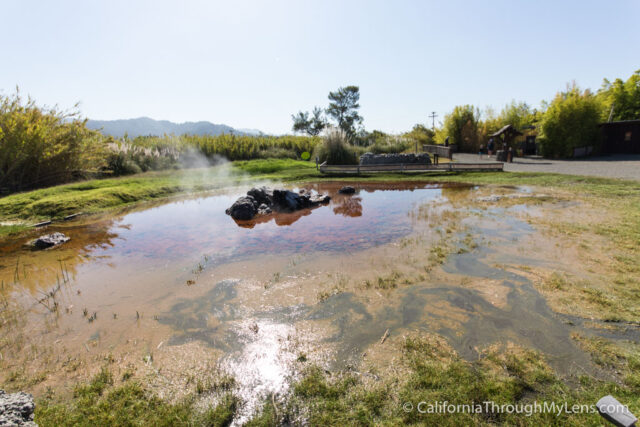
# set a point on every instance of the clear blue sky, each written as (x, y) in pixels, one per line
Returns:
(251, 64)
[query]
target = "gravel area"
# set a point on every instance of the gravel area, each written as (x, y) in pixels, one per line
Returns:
(616, 166)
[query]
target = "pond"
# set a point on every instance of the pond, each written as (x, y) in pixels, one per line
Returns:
(179, 278)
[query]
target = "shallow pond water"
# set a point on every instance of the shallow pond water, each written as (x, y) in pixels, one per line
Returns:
(262, 293)
(197, 230)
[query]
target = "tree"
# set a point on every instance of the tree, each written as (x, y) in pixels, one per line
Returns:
(623, 96)
(518, 114)
(570, 121)
(420, 135)
(343, 108)
(461, 126)
(310, 124)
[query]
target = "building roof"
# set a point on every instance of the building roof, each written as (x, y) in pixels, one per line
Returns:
(505, 129)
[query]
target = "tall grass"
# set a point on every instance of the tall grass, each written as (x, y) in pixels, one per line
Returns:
(232, 147)
(336, 150)
(187, 151)
(43, 146)
(391, 144)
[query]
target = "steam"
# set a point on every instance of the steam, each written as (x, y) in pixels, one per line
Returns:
(196, 171)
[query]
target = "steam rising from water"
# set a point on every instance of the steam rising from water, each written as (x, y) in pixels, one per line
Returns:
(202, 172)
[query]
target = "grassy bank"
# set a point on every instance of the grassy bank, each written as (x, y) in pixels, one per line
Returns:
(99, 195)
(428, 370)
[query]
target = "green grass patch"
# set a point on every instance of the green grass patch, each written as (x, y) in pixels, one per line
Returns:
(99, 195)
(8, 230)
(100, 403)
(430, 371)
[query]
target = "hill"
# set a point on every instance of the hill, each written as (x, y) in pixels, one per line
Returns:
(143, 126)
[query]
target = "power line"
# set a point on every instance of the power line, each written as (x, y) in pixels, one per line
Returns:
(433, 120)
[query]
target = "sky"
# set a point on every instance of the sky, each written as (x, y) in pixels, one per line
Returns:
(251, 64)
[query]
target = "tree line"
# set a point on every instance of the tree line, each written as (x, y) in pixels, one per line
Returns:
(41, 147)
(569, 120)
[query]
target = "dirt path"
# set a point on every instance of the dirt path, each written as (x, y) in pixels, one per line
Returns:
(617, 166)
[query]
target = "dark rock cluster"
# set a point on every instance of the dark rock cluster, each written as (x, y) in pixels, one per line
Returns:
(263, 200)
(394, 158)
(49, 240)
(16, 409)
(347, 189)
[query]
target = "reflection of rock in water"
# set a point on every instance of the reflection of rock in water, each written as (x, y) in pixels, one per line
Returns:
(348, 206)
(281, 219)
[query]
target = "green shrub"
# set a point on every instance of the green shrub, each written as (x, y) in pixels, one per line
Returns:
(461, 126)
(391, 145)
(336, 150)
(41, 147)
(571, 121)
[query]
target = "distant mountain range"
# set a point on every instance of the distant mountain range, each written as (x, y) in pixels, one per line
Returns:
(144, 126)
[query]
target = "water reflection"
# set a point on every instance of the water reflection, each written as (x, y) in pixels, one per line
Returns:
(92, 239)
(348, 205)
(176, 234)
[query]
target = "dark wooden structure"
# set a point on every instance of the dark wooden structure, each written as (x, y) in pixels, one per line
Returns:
(505, 136)
(441, 150)
(621, 137)
(529, 145)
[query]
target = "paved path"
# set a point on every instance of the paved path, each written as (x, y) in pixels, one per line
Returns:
(617, 166)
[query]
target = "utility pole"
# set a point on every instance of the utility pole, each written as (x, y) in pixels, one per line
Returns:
(433, 120)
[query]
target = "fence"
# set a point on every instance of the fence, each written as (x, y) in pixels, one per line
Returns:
(440, 150)
(445, 167)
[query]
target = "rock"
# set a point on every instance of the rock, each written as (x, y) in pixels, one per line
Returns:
(347, 190)
(288, 201)
(262, 195)
(285, 200)
(243, 209)
(263, 201)
(395, 158)
(49, 240)
(16, 409)
(263, 209)
(319, 199)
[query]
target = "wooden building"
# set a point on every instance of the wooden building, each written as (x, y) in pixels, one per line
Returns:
(505, 137)
(621, 137)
